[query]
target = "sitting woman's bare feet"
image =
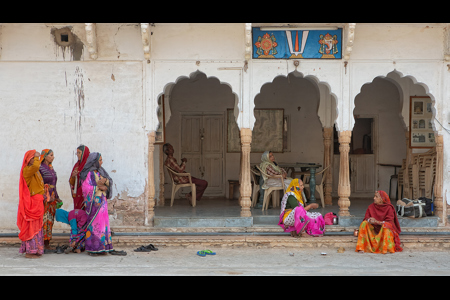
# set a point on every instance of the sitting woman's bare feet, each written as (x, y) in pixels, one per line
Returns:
(27, 255)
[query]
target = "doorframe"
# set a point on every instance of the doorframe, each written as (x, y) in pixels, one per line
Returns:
(374, 144)
(210, 113)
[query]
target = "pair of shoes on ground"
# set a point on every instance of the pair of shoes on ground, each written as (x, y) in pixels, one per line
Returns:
(57, 250)
(203, 253)
(147, 248)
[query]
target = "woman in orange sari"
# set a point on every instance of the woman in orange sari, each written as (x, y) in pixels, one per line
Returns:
(379, 232)
(31, 206)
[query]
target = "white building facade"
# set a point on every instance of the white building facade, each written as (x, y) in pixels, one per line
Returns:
(101, 85)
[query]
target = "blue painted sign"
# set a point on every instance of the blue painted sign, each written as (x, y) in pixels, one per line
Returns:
(286, 44)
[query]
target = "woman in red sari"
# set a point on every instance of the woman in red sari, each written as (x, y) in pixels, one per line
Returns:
(31, 206)
(379, 232)
(74, 181)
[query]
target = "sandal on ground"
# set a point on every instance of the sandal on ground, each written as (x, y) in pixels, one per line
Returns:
(151, 247)
(115, 252)
(142, 249)
(201, 253)
(68, 250)
(209, 252)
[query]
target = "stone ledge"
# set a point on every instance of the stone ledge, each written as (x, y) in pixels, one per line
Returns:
(419, 242)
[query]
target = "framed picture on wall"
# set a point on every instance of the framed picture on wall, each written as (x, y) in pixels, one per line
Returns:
(267, 134)
(161, 130)
(420, 122)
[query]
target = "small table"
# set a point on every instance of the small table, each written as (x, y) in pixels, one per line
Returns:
(312, 171)
(231, 185)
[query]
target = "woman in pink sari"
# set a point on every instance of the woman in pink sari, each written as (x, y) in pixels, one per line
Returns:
(295, 217)
(96, 185)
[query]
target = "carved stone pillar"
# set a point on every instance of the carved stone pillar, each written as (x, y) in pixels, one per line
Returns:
(438, 195)
(327, 135)
(161, 176)
(344, 174)
(151, 180)
(245, 186)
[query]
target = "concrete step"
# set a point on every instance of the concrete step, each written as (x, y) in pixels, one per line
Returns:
(260, 237)
(167, 222)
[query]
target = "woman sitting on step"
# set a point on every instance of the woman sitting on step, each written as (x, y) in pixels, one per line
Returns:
(295, 217)
(379, 232)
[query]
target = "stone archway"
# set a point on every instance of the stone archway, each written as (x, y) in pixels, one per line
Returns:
(168, 97)
(396, 78)
(324, 110)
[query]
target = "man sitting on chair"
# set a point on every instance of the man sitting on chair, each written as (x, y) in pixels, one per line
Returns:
(172, 163)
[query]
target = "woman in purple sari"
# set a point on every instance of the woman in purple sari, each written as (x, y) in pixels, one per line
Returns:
(49, 176)
(96, 186)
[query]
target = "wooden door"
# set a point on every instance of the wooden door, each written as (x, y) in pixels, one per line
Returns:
(202, 144)
(362, 177)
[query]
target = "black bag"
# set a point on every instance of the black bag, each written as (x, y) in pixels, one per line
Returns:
(429, 205)
(411, 208)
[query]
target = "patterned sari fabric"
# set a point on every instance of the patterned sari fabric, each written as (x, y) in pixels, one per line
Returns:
(50, 179)
(98, 232)
(75, 185)
(33, 246)
(30, 211)
(380, 238)
(298, 219)
(381, 242)
(77, 221)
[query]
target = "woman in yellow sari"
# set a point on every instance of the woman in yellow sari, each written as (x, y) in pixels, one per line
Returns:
(295, 215)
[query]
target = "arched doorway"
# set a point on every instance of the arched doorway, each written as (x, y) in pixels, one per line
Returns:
(385, 104)
(309, 111)
(195, 125)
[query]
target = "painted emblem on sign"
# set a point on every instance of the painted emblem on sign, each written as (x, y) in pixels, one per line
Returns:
(328, 45)
(267, 45)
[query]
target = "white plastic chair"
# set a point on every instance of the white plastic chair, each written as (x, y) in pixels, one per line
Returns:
(271, 189)
(176, 186)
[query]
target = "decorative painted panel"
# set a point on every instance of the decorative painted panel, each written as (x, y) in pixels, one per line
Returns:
(295, 44)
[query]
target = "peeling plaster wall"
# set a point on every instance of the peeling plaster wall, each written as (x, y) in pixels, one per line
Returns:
(63, 105)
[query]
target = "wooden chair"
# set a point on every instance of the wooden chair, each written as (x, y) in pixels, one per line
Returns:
(269, 191)
(319, 186)
(255, 187)
(176, 186)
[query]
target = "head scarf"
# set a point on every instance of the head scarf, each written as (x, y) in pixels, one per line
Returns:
(44, 154)
(78, 199)
(92, 164)
(265, 161)
(300, 196)
(84, 156)
(383, 212)
(30, 213)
